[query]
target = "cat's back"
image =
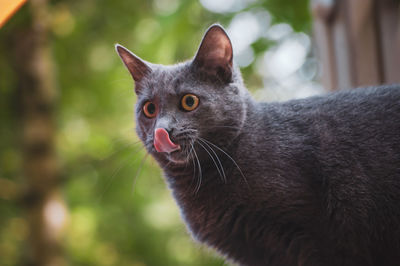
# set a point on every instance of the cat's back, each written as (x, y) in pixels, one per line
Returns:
(370, 102)
(360, 102)
(359, 113)
(345, 148)
(358, 126)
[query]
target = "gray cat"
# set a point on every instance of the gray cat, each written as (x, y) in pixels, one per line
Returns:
(305, 182)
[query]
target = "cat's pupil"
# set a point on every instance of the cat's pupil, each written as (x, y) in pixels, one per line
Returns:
(189, 101)
(151, 108)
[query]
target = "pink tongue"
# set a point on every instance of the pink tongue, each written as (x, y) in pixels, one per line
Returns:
(162, 142)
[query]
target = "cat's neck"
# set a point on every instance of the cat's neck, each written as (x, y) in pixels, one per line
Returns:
(216, 171)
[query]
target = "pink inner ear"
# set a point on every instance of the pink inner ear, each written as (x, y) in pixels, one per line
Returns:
(134, 64)
(226, 51)
(163, 143)
(220, 54)
(216, 48)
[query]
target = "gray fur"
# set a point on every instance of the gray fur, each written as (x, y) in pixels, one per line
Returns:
(306, 182)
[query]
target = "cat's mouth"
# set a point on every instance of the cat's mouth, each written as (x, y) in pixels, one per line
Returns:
(177, 157)
(163, 143)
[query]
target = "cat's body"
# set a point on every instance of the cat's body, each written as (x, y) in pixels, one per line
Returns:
(323, 184)
(305, 182)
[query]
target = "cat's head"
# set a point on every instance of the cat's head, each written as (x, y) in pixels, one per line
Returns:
(180, 107)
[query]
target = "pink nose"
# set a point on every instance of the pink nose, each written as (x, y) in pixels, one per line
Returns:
(162, 142)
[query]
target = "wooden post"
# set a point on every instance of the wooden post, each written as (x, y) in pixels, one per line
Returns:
(357, 42)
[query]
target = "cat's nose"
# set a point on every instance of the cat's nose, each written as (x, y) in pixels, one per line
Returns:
(165, 123)
(169, 130)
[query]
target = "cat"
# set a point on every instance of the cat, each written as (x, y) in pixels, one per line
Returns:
(313, 181)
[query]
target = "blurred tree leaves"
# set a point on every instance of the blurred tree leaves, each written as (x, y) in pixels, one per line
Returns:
(294, 12)
(109, 223)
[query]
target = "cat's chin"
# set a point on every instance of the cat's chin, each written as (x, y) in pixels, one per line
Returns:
(176, 157)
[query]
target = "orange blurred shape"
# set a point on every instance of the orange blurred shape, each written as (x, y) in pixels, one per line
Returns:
(8, 8)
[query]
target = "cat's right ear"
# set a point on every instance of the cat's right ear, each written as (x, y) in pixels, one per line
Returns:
(136, 66)
(214, 56)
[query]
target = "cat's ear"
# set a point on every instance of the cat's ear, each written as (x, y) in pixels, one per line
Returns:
(136, 66)
(214, 56)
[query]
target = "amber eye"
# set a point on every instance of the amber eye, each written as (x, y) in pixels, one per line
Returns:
(189, 102)
(150, 109)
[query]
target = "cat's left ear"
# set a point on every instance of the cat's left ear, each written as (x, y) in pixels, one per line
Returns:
(136, 66)
(215, 55)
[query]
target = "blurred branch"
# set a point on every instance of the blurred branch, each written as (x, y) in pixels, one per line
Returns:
(8, 189)
(37, 102)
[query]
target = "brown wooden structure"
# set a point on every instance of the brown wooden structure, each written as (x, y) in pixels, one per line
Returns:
(358, 41)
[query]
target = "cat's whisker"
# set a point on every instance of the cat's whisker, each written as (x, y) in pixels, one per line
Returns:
(137, 150)
(124, 134)
(200, 172)
(194, 164)
(123, 148)
(168, 164)
(216, 156)
(185, 133)
(215, 163)
(116, 171)
(237, 166)
(187, 153)
(138, 171)
(126, 144)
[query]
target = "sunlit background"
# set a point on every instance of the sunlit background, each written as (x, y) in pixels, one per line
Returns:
(114, 207)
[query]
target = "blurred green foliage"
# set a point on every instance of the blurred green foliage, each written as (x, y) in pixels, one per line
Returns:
(120, 211)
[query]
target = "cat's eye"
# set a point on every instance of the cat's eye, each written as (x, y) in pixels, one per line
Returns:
(189, 102)
(150, 109)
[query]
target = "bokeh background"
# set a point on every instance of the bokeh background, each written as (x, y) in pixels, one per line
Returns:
(109, 204)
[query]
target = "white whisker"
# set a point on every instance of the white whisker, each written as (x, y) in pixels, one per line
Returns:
(215, 163)
(116, 171)
(216, 156)
(124, 147)
(138, 171)
(200, 172)
(240, 170)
